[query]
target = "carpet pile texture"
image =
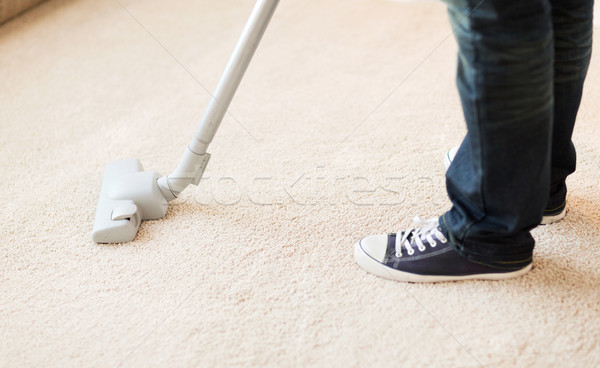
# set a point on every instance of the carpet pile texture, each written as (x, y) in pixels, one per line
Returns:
(337, 131)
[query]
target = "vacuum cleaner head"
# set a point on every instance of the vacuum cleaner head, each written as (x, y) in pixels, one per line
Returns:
(128, 195)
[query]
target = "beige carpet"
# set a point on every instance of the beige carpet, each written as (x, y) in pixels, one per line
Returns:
(339, 130)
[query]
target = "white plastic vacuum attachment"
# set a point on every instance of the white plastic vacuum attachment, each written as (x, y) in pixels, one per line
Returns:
(130, 195)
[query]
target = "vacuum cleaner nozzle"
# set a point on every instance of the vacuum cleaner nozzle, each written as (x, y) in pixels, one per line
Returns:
(128, 195)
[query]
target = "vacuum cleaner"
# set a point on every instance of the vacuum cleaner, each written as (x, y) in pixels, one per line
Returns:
(129, 194)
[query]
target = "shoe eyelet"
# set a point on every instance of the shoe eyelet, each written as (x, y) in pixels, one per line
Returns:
(422, 249)
(411, 252)
(433, 244)
(398, 255)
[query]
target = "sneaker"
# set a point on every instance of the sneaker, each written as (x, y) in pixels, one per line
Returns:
(550, 216)
(449, 157)
(554, 215)
(423, 254)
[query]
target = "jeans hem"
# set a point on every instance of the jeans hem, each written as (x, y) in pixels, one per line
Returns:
(477, 258)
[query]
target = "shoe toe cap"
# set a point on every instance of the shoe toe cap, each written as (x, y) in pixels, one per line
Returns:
(374, 246)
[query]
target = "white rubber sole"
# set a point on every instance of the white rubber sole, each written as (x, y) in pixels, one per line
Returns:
(547, 220)
(373, 266)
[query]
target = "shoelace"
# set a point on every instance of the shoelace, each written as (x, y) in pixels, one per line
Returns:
(424, 230)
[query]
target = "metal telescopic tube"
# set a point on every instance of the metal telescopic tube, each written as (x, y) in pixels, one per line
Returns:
(232, 76)
(194, 160)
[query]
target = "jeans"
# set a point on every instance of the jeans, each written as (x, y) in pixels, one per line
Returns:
(521, 69)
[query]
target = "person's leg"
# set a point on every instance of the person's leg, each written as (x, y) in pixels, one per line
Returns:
(499, 180)
(572, 22)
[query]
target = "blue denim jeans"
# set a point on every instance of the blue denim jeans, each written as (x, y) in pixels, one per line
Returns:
(521, 69)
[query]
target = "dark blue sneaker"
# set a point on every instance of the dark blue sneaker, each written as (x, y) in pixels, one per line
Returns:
(423, 254)
(551, 215)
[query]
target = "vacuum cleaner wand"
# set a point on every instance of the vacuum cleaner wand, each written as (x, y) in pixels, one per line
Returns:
(129, 194)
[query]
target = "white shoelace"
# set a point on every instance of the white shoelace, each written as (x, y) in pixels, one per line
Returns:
(424, 230)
